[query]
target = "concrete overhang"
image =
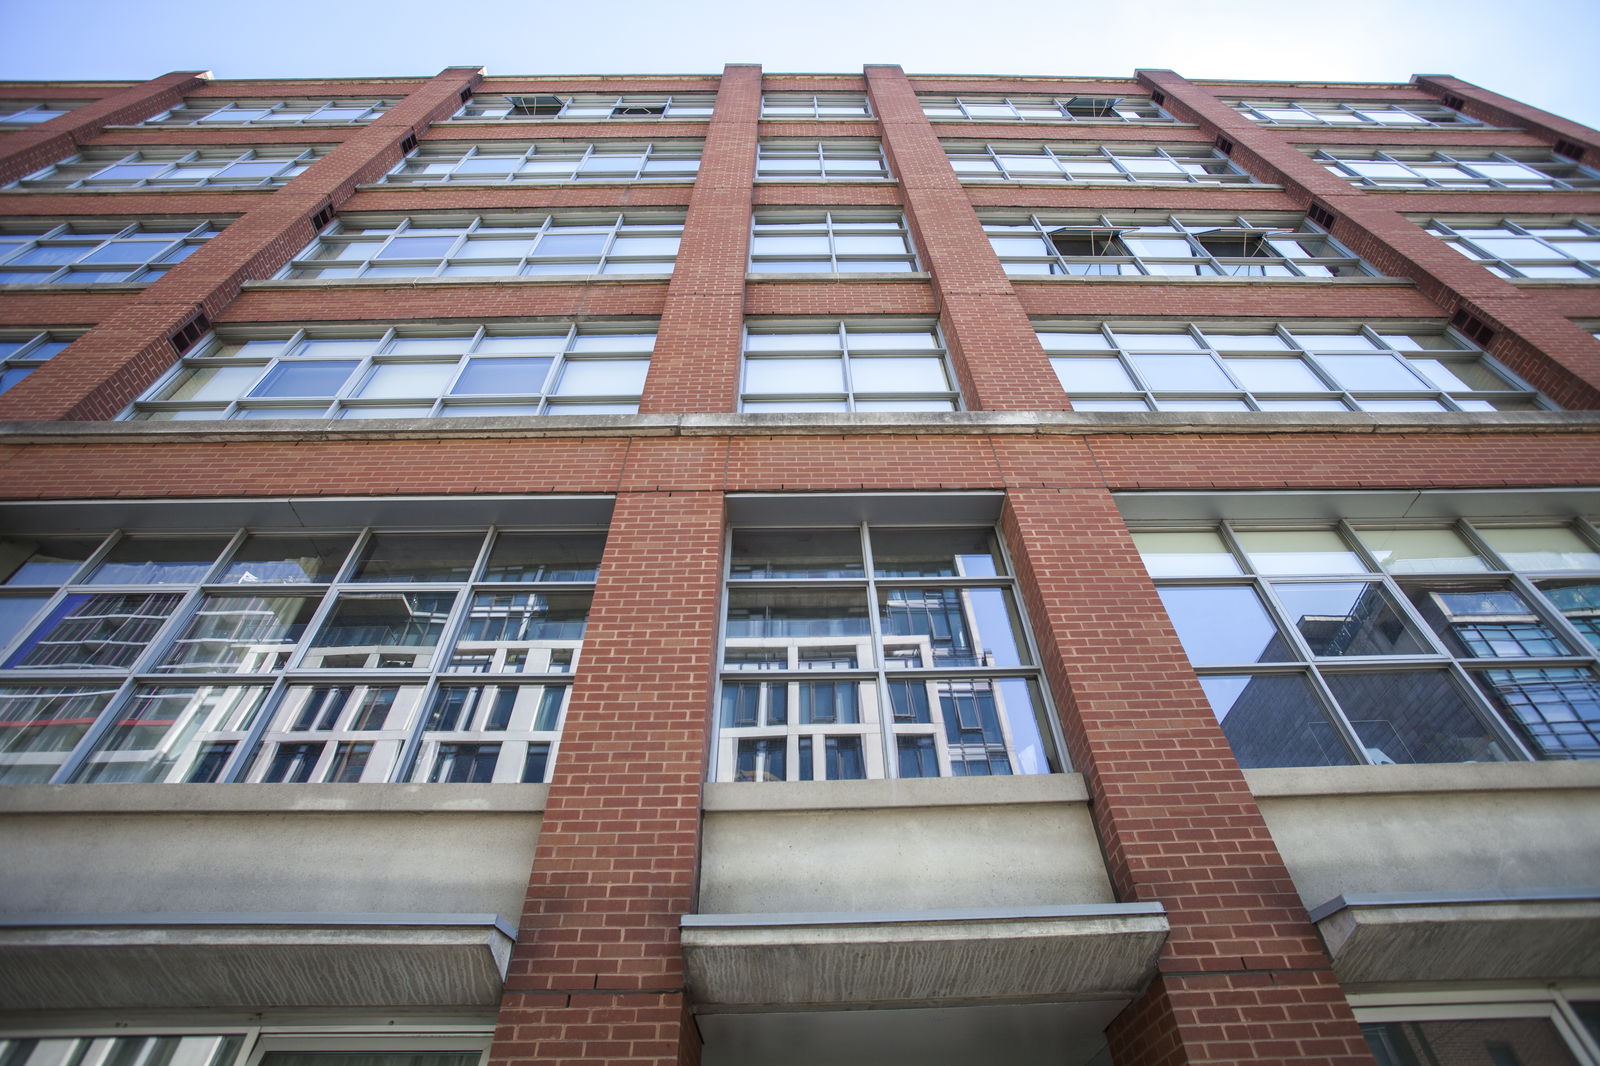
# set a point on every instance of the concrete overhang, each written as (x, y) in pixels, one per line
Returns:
(921, 958)
(1413, 936)
(259, 961)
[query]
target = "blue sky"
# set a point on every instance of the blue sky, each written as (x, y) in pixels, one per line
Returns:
(1541, 51)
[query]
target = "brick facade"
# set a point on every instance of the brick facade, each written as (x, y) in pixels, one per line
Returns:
(597, 975)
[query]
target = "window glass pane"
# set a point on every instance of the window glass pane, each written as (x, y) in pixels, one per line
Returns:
(795, 554)
(935, 553)
(1275, 720)
(307, 378)
(502, 377)
(1275, 375)
(1312, 551)
(1542, 548)
(794, 375)
(383, 630)
(87, 631)
(1347, 618)
(608, 377)
(157, 561)
(545, 557)
(1479, 623)
(1556, 709)
(213, 383)
(1411, 716)
(418, 557)
(1371, 372)
(786, 614)
(1180, 372)
(1198, 554)
(1093, 375)
(40, 724)
(1421, 551)
(898, 375)
(1580, 602)
(1468, 1042)
(522, 632)
(165, 733)
(948, 627)
(407, 379)
(287, 559)
(1224, 624)
(240, 634)
(45, 561)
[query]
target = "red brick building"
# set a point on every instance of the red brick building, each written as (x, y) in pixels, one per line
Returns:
(660, 497)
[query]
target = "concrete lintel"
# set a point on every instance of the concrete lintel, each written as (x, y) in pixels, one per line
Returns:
(1552, 936)
(1280, 782)
(128, 962)
(430, 798)
(940, 957)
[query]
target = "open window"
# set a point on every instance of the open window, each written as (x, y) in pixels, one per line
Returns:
(638, 110)
(1237, 243)
(1092, 106)
(1094, 241)
(543, 105)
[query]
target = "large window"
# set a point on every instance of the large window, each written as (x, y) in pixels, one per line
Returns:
(406, 372)
(549, 161)
(1390, 641)
(336, 655)
(163, 168)
(1254, 366)
(1214, 245)
(1467, 168)
(1070, 161)
(834, 160)
(1042, 108)
(814, 105)
(806, 365)
(97, 252)
(271, 113)
(237, 1045)
(586, 107)
(869, 652)
(1559, 248)
(841, 241)
(1548, 1026)
(425, 246)
(23, 352)
(1346, 113)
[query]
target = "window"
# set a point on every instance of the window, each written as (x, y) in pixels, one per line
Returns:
(1425, 168)
(1390, 642)
(1223, 366)
(159, 168)
(23, 353)
(845, 366)
(586, 107)
(815, 105)
(549, 161)
(844, 241)
(1068, 161)
(98, 252)
(406, 372)
(496, 246)
(1337, 113)
(867, 652)
(1042, 109)
(15, 114)
(834, 160)
(305, 656)
(1255, 246)
(271, 112)
(1561, 248)
(1551, 1026)
(237, 1046)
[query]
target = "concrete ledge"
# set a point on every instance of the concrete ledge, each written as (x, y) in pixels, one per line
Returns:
(890, 423)
(273, 799)
(921, 792)
(258, 961)
(1285, 782)
(1553, 936)
(921, 958)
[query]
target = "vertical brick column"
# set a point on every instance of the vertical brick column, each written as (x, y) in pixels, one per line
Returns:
(597, 975)
(1243, 976)
(1477, 102)
(28, 150)
(696, 362)
(100, 372)
(996, 355)
(1554, 355)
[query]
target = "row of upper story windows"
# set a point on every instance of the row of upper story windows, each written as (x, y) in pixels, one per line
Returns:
(861, 363)
(691, 106)
(532, 244)
(845, 159)
(849, 649)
